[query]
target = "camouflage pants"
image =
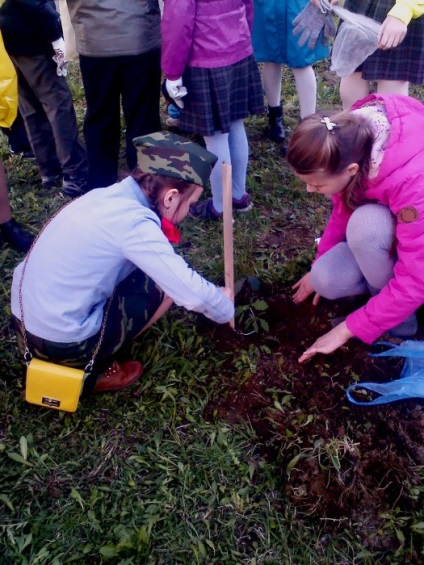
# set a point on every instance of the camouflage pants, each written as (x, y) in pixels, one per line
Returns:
(135, 301)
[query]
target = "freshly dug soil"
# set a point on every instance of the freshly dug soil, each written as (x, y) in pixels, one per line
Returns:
(340, 463)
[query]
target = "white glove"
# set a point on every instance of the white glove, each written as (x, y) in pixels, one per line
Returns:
(59, 57)
(176, 91)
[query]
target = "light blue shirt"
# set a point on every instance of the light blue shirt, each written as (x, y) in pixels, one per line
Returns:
(90, 247)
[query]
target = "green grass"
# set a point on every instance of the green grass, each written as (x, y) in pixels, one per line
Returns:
(142, 476)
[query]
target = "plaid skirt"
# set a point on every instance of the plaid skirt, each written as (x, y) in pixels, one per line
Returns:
(404, 62)
(218, 97)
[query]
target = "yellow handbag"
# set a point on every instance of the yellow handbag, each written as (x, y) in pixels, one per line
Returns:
(8, 88)
(54, 386)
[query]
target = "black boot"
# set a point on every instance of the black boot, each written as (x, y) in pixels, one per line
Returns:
(275, 130)
(13, 234)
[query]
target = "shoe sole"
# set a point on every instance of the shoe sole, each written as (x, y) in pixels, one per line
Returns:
(72, 193)
(243, 210)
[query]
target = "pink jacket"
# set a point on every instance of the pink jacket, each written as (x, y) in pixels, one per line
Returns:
(205, 33)
(400, 186)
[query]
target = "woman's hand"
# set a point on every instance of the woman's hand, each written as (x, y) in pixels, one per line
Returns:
(304, 289)
(328, 342)
(392, 33)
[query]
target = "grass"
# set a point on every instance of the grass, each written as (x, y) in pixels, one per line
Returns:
(142, 476)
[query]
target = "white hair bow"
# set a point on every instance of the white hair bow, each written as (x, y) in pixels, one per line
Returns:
(328, 123)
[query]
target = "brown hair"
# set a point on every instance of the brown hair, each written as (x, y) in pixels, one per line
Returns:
(314, 148)
(152, 185)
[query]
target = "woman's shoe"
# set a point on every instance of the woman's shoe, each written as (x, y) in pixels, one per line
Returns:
(118, 376)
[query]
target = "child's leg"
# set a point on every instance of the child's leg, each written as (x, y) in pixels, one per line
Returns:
(353, 88)
(219, 145)
(306, 86)
(271, 78)
(364, 262)
(393, 87)
(163, 308)
(336, 274)
(370, 235)
(239, 151)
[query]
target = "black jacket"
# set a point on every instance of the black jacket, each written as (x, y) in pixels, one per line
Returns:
(29, 26)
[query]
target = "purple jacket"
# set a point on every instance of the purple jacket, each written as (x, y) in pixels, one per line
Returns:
(205, 33)
(400, 186)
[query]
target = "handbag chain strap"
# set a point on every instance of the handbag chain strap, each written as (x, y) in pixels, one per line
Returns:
(27, 353)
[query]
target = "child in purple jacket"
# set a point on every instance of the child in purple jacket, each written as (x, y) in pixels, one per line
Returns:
(371, 161)
(207, 48)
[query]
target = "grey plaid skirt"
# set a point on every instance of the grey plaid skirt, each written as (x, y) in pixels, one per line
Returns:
(404, 62)
(217, 97)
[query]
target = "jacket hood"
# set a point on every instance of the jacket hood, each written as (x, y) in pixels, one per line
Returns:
(406, 141)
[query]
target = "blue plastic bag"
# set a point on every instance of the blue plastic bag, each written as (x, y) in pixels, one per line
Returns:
(410, 383)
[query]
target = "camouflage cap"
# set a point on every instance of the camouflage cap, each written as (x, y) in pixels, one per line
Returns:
(170, 155)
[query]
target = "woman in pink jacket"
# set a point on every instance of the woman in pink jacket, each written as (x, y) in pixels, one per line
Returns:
(371, 161)
(207, 49)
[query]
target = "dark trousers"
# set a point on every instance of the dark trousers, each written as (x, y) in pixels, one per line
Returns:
(134, 79)
(17, 136)
(46, 105)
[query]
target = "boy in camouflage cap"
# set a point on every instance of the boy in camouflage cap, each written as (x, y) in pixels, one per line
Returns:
(170, 155)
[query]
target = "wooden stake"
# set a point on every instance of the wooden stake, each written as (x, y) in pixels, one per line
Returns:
(227, 200)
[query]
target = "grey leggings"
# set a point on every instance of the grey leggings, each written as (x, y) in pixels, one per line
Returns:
(364, 262)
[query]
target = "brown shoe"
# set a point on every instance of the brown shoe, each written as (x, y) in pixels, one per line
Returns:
(119, 375)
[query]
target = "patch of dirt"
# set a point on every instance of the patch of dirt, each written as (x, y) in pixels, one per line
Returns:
(340, 463)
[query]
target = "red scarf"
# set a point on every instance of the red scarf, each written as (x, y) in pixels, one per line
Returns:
(171, 231)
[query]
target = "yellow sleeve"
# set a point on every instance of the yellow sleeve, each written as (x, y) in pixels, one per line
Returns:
(406, 10)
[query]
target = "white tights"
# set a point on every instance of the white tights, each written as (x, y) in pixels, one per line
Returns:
(306, 86)
(231, 148)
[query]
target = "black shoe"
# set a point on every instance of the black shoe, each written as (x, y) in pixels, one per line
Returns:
(13, 234)
(275, 130)
(73, 187)
(52, 181)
